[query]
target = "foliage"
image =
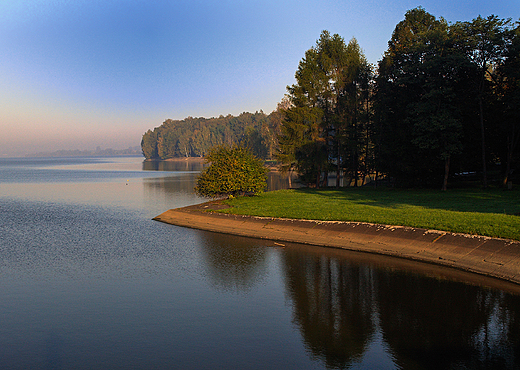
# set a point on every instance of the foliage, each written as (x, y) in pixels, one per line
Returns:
(491, 212)
(434, 94)
(504, 112)
(487, 43)
(149, 144)
(443, 98)
(300, 143)
(194, 137)
(323, 126)
(233, 170)
(442, 104)
(418, 89)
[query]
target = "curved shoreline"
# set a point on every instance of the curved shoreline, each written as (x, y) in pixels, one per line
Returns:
(498, 258)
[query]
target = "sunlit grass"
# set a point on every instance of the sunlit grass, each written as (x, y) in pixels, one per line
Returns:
(492, 213)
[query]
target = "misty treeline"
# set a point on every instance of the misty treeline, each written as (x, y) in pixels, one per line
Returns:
(444, 101)
(194, 137)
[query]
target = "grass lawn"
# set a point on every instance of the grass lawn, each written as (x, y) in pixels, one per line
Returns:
(493, 212)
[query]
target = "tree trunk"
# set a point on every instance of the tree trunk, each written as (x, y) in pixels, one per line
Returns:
(484, 170)
(446, 173)
(338, 167)
(511, 146)
(325, 179)
(508, 169)
(355, 167)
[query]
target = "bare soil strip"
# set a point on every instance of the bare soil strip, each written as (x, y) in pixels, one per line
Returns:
(499, 258)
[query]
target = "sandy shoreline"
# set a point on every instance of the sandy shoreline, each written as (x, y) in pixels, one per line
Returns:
(498, 258)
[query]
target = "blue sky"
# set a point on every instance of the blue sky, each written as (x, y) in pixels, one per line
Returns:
(88, 73)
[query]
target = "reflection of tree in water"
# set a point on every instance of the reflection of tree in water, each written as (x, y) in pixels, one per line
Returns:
(426, 323)
(333, 306)
(182, 179)
(510, 315)
(437, 324)
(182, 183)
(174, 166)
(275, 180)
(233, 263)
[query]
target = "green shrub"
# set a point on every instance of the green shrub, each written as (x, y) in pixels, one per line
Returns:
(232, 171)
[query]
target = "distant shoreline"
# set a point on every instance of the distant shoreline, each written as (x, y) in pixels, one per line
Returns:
(178, 159)
(109, 152)
(273, 168)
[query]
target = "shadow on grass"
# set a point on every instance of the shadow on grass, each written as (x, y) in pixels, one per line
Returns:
(460, 200)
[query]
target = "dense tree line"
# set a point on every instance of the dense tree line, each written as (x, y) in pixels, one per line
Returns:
(194, 137)
(443, 99)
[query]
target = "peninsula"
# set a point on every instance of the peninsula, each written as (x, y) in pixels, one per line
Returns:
(494, 257)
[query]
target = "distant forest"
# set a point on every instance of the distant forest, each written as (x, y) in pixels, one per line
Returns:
(443, 103)
(194, 137)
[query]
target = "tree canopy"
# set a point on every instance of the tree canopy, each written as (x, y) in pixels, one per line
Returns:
(441, 98)
(194, 137)
(233, 170)
(324, 127)
(441, 104)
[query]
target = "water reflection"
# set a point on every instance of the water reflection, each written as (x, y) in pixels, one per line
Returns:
(346, 308)
(174, 166)
(437, 324)
(233, 263)
(171, 186)
(428, 323)
(185, 181)
(89, 281)
(333, 305)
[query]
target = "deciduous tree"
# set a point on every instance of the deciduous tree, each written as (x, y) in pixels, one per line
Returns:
(486, 45)
(417, 99)
(233, 170)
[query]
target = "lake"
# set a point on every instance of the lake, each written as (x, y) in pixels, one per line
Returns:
(89, 281)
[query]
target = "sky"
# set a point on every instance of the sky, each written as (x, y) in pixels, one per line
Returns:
(78, 74)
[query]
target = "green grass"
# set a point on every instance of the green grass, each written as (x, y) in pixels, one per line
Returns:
(492, 212)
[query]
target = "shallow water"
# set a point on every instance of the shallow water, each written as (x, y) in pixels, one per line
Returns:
(89, 281)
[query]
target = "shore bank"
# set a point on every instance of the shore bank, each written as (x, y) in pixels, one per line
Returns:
(178, 159)
(498, 258)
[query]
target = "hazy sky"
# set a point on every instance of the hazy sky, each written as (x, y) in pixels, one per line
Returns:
(88, 73)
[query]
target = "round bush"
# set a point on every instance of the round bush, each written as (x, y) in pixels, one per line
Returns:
(232, 171)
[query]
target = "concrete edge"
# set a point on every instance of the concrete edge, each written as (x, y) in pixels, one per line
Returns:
(497, 258)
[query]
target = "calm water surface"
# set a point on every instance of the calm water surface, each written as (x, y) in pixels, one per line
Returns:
(88, 281)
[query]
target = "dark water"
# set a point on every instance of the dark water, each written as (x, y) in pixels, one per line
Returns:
(88, 281)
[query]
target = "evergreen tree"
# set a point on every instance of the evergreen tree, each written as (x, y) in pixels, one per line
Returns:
(321, 128)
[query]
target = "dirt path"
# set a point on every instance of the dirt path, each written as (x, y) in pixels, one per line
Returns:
(499, 258)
